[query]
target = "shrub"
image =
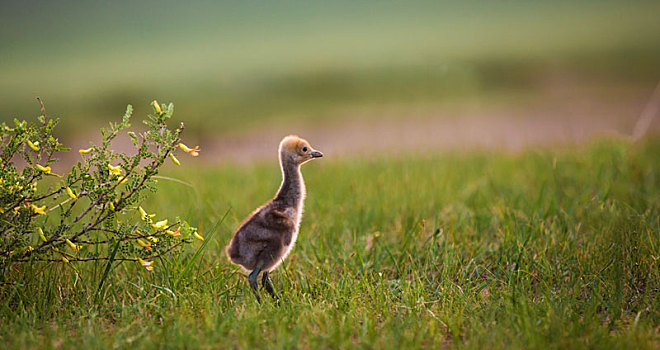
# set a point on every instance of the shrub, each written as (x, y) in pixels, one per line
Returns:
(93, 211)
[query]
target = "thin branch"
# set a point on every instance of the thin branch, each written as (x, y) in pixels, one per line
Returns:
(146, 235)
(97, 258)
(43, 108)
(173, 180)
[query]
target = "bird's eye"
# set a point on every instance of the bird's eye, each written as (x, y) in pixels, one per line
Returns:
(304, 149)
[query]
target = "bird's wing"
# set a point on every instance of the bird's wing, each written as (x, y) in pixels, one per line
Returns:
(277, 219)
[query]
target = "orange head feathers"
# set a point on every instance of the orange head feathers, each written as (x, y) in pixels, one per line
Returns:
(297, 150)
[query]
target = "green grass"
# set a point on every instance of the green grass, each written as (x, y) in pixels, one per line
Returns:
(542, 249)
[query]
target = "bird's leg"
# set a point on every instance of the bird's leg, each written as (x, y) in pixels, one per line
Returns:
(254, 284)
(265, 281)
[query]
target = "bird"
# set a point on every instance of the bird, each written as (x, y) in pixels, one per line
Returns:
(265, 238)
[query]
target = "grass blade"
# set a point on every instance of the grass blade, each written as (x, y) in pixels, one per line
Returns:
(201, 248)
(108, 265)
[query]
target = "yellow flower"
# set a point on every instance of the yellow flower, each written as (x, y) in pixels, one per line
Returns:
(85, 151)
(73, 246)
(176, 161)
(111, 206)
(153, 239)
(39, 210)
(65, 259)
(29, 248)
(114, 170)
(143, 244)
(160, 225)
(45, 169)
(147, 264)
(70, 193)
(192, 151)
(156, 106)
(41, 234)
(122, 180)
(176, 233)
(144, 215)
(198, 236)
(34, 146)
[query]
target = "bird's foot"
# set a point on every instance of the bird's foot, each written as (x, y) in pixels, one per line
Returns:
(266, 282)
(252, 278)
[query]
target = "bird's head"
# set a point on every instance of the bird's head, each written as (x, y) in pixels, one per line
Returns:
(297, 151)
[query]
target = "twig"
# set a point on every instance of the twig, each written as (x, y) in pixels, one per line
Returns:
(173, 180)
(43, 109)
(145, 235)
(103, 257)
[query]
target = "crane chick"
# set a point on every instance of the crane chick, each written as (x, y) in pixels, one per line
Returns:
(266, 237)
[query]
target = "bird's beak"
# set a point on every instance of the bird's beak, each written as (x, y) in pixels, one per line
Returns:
(316, 154)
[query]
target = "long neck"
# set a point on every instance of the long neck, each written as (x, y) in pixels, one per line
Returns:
(292, 190)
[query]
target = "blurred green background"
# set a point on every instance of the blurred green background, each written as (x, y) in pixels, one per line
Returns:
(233, 67)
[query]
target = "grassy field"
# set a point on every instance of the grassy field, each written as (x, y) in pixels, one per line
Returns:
(543, 249)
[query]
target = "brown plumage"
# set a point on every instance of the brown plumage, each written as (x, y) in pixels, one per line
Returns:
(266, 237)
